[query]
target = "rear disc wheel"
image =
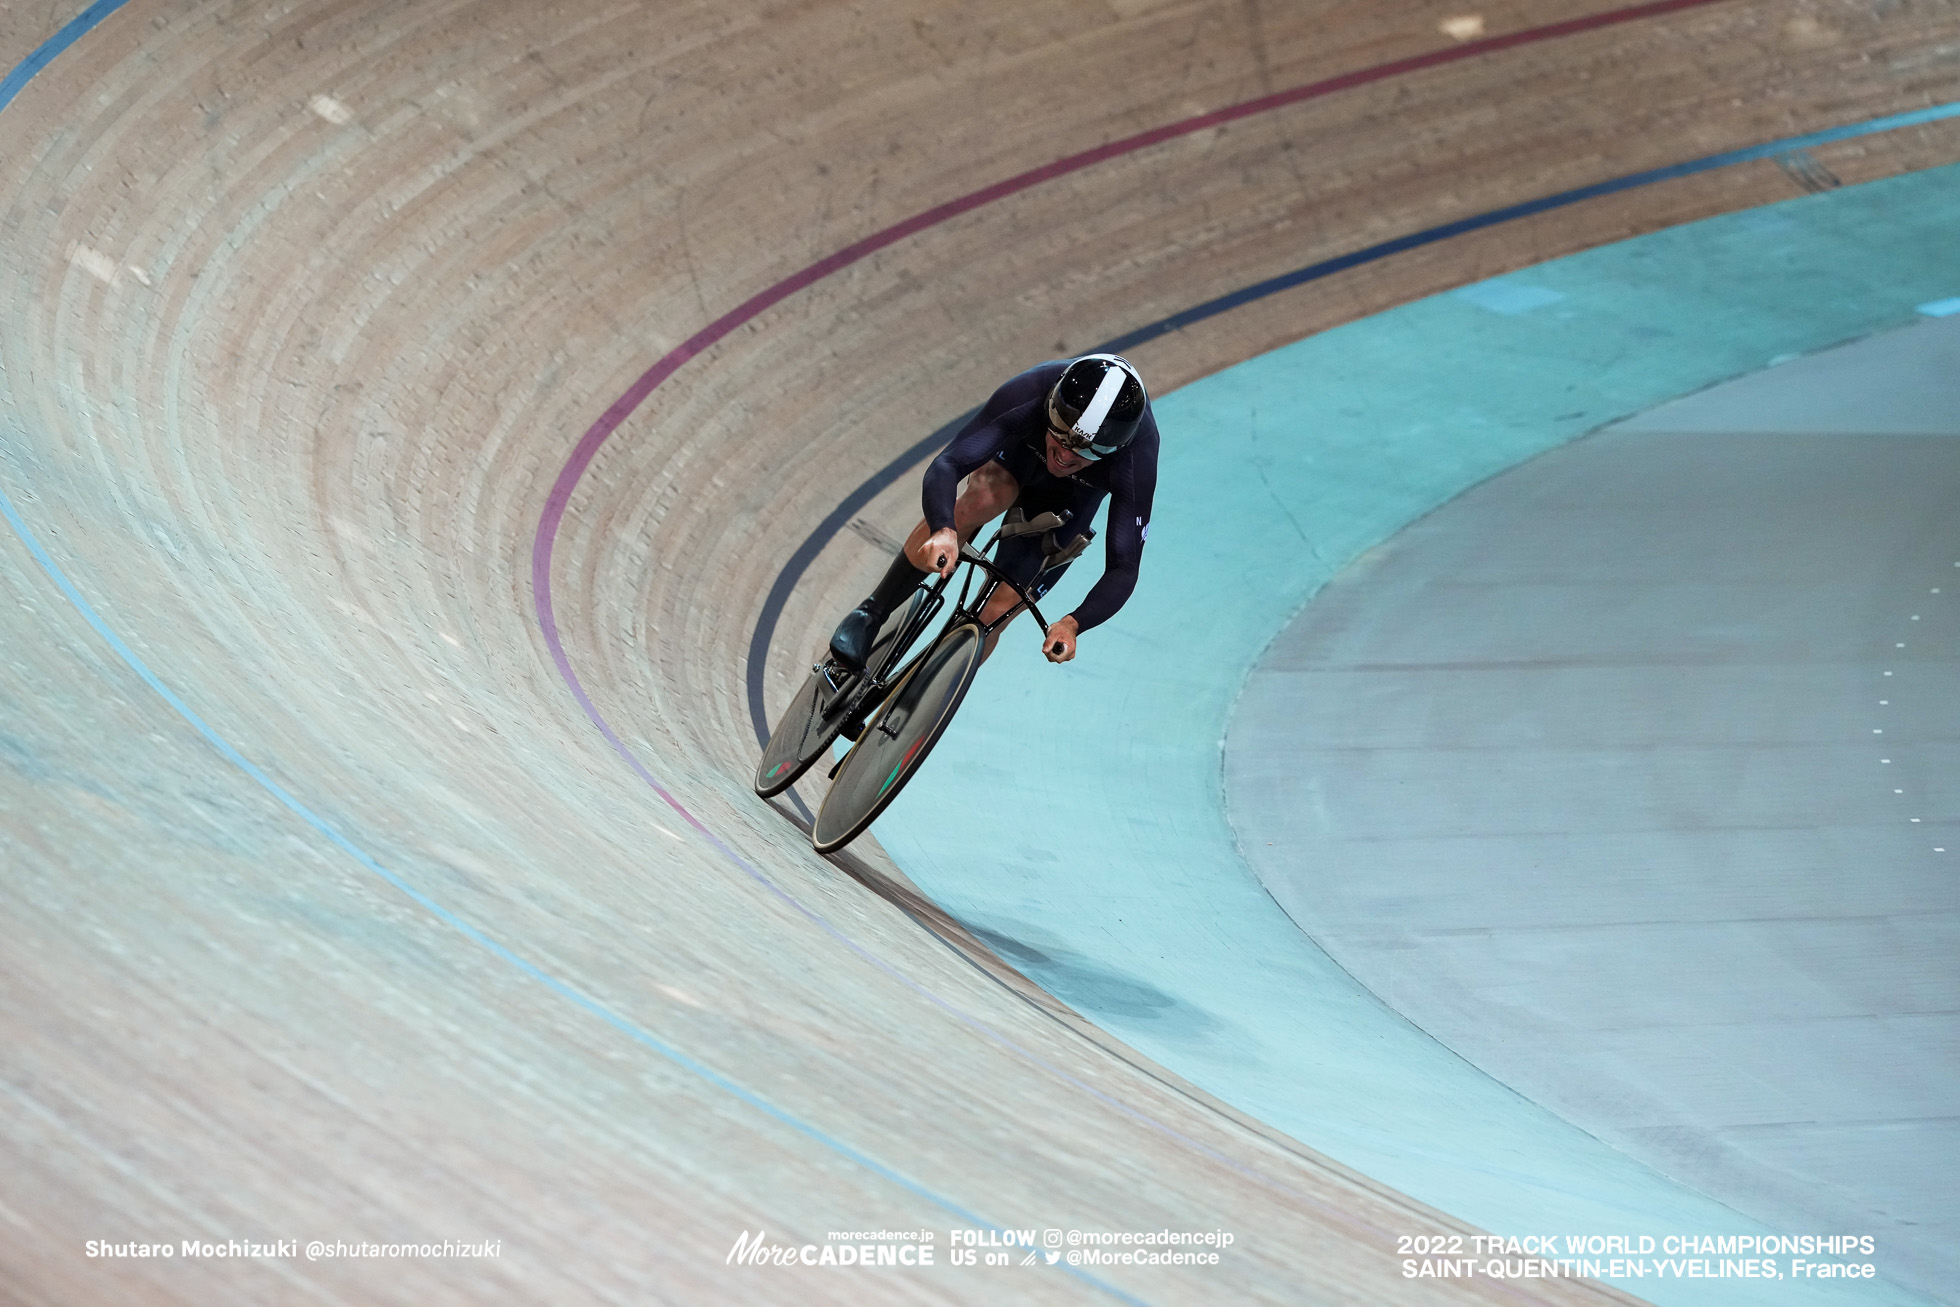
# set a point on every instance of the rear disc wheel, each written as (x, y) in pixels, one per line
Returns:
(804, 731)
(818, 712)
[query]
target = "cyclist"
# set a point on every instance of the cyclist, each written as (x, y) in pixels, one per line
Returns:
(1055, 439)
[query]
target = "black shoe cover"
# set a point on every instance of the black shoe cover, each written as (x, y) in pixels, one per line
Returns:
(856, 634)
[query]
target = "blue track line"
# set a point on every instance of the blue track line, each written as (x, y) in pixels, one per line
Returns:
(93, 16)
(44, 54)
(1340, 263)
(562, 988)
(806, 553)
(10, 87)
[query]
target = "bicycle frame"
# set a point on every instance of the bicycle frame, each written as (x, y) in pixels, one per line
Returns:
(975, 561)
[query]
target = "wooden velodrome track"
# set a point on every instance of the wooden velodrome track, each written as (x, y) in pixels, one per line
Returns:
(307, 306)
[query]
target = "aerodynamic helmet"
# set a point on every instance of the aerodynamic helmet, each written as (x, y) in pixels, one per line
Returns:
(1097, 405)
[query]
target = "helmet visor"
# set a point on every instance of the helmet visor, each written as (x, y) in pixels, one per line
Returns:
(1075, 442)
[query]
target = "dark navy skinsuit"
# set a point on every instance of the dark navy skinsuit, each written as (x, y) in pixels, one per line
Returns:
(1012, 430)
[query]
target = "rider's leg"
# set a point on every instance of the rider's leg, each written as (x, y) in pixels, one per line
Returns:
(988, 493)
(1025, 558)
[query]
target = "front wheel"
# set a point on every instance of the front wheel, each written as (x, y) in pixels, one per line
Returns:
(896, 741)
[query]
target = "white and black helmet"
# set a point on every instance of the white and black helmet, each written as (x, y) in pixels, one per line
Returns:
(1097, 405)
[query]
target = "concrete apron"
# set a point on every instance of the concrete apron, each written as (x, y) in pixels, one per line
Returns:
(1075, 816)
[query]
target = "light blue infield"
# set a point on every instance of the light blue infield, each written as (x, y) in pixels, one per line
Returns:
(1075, 816)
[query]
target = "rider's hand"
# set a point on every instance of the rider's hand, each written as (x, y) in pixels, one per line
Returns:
(1059, 644)
(940, 553)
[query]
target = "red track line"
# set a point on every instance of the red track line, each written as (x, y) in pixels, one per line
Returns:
(588, 446)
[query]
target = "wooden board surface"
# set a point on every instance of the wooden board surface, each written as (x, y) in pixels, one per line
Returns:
(305, 308)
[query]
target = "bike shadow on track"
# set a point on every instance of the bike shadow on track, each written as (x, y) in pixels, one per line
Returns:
(989, 950)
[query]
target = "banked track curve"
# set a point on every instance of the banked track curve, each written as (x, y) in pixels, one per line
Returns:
(343, 535)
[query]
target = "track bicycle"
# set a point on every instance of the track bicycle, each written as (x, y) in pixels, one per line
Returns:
(895, 708)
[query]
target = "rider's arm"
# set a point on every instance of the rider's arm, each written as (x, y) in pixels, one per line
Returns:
(1000, 420)
(971, 448)
(1130, 496)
